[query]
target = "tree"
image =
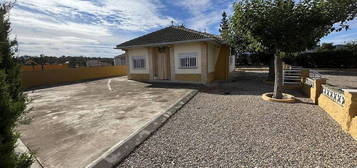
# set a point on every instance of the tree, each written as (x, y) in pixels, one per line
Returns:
(42, 62)
(327, 46)
(286, 26)
(352, 46)
(223, 28)
(12, 100)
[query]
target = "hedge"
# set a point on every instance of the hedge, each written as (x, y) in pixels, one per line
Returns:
(342, 58)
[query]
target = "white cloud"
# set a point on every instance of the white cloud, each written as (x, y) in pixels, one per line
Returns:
(138, 15)
(81, 27)
(205, 13)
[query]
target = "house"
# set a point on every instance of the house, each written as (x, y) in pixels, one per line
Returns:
(96, 63)
(120, 60)
(178, 54)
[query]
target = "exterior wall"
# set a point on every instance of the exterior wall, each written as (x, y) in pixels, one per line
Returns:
(204, 62)
(212, 62)
(58, 76)
(172, 62)
(138, 52)
(187, 48)
(222, 67)
(213, 51)
(188, 77)
(210, 77)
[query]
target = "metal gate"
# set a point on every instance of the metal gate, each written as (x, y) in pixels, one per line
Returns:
(292, 75)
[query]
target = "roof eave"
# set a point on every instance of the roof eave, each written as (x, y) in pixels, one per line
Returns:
(166, 43)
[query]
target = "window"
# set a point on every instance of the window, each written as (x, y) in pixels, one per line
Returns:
(188, 60)
(139, 62)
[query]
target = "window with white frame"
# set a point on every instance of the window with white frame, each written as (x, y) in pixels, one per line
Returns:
(138, 62)
(188, 60)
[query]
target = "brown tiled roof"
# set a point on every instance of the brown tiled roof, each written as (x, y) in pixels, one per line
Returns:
(172, 34)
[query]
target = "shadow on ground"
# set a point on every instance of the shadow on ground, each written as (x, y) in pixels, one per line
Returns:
(242, 83)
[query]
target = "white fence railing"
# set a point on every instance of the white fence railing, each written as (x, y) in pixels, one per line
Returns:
(334, 94)
(315, 74)
(292, 76)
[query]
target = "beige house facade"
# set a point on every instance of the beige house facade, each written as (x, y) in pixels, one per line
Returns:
(178, 54)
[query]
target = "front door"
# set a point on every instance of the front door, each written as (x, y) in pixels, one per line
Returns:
(163, 64)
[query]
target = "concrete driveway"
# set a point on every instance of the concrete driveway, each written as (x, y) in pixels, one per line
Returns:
(73, 125)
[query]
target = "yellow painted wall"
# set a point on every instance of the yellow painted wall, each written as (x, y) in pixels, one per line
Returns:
(50, 77)
(351, 112)
(45, 67)
(353, 128)
(188, 77)
(210, 77)
(335, 110)
(222, 65)
(345, 115)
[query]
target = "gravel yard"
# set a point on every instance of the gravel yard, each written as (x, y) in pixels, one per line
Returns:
(242, 130)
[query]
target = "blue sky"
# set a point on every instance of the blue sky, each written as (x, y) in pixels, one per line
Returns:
(93, 27)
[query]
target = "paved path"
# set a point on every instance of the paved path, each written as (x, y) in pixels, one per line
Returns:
(345, 79)
(242, 130)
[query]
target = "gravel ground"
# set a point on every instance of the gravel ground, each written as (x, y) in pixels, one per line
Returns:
(345, 79)
(242, 130)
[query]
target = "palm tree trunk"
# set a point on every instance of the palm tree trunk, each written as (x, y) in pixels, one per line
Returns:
(278, 85)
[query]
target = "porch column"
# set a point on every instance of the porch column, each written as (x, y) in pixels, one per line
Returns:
(151, 67)
(172, 62)
(204, 62)
(127, 62)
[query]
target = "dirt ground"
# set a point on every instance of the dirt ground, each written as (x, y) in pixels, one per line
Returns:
(72, 125)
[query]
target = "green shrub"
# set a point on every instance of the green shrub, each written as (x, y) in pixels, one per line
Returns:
(12, 100)
(338, 58)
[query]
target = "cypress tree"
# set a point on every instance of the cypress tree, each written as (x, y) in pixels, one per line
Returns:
(223, 27)
(12, 100)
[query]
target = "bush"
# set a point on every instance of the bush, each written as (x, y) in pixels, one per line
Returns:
(339, 58)
(12, 100)
(254, 59)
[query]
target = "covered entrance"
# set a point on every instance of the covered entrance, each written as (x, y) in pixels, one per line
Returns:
(161, 63)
